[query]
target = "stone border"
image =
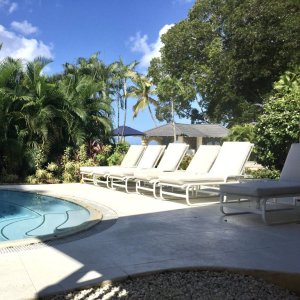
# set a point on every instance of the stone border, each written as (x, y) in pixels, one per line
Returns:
(289, 281)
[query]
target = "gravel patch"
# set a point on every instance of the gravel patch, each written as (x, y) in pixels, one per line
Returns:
(184, 285)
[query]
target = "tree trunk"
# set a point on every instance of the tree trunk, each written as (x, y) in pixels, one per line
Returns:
(118, 118)
(173, 120)
(152, 117)
(125, 107)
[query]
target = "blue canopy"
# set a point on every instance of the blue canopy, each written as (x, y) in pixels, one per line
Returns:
(128, 131)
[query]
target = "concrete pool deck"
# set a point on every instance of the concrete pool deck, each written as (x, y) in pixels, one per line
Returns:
(141, 234)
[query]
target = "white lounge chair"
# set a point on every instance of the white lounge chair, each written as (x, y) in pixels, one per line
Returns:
(130, 159)
(228, 166)
(256, 195)
(118, 176)
(146, 180)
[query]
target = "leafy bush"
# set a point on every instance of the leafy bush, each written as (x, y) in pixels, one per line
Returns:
(32, 179)
(53, 167)
(41, 174)
(118, 155)
(122, 147)
(115, 159)
(39, 157)
(264, 173)
(278, 126)
(68, 170)
(102, 157)
(242, 133)
(9, 178)
(71, 172)
(82, 154)
(185, 162)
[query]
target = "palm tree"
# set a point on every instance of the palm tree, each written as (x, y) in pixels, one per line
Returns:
(122, 75)
(39, 106)
(10, 142)
(142, 90)
(87, 85)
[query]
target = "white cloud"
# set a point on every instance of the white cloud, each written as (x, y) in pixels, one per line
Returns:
(149, 50)
(8, 5)
(21, 47)
(24, 27)
(13, 6)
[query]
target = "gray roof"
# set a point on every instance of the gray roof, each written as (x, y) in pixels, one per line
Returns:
(190, 130)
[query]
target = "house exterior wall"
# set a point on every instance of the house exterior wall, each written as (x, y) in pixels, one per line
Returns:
(212, 141)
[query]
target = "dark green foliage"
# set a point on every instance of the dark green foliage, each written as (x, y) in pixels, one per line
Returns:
(264, 174)
(66, 170)
(185, 162)
(170, 91)
(231, 52)
(122, 147)
(41, 116)
(278, 126)
(102, 156)
(242, 133)
(118, 154)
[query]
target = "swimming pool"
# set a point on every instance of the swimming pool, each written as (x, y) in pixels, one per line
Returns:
(27, 215)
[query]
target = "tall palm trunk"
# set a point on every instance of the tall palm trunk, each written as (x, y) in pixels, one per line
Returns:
(152, 116)
(173, 120)
(118, 118)
(125, 106)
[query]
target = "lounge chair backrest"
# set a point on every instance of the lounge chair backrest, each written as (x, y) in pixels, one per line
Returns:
(291, 168)
(132, 156)
(172, 157)
(151, 156)
(231, 159)
(203, 159)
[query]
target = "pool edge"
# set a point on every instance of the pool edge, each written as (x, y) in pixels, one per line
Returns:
(95, 217)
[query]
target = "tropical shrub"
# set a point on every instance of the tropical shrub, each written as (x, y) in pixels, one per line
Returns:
(244, 132)
(278, 126)
(9, 178)
(43, 115)
(68, 170)
(185, 162)
(118, 154)
(71, 163)
(102, 157)
(264, 173)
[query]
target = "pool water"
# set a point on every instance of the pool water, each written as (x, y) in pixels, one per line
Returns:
(27, 215)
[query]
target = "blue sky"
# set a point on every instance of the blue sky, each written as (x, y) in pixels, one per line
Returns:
(64, 30)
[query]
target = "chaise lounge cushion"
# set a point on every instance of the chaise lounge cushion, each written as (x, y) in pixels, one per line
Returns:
(184, 178)
(229, 162)
(260, 189)
(130, 159)
(169, 162)
(132, 156)
(149, 159)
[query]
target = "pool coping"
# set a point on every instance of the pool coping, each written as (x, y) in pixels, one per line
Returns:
(95, 217)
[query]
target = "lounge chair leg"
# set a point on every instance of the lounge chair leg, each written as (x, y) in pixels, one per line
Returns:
(155, 183)
(111, 184)
(137, 185)
(161, 193)
(222, 200)
(107, 182)
(263, 203)
(126, 185)
(187, 195)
